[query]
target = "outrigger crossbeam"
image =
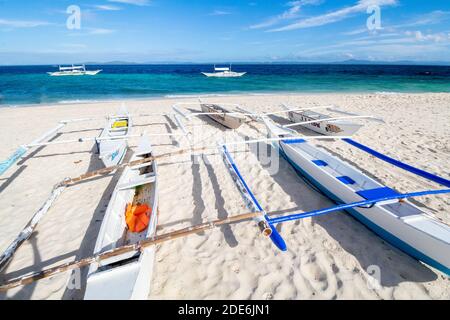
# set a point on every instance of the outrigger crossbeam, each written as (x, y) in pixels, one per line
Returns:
(361, 204)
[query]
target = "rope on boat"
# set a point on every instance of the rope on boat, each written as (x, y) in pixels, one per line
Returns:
(25, 234)
(399, 164)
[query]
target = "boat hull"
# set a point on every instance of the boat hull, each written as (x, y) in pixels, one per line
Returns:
(229, 121)
(224, 74)
(402, 224)
(127, 276)
(112, 152)
(76, 73)
(331, 128)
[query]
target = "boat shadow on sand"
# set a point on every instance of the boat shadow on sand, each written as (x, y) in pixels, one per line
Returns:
(353, 237)
(199, 203)
(90, 236)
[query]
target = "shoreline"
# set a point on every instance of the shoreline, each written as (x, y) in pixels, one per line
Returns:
(212, 95)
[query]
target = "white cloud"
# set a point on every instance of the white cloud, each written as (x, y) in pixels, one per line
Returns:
(291, 13)
(219, 13)
(133, 2)
(335, 16)
(23, 23)
(106, 7)
(434, 37)
(100, 31)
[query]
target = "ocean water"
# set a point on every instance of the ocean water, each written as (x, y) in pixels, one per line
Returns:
(31, 85)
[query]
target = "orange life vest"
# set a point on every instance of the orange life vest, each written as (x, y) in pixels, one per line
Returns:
(137, 217)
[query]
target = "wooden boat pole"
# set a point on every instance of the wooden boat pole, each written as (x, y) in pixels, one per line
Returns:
(20, 153)
(296, 110)
(46, 273)
(25, 234)
(328, 119)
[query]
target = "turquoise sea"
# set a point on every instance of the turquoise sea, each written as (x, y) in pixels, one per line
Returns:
(31, 85)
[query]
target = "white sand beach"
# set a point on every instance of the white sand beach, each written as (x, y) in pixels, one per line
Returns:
(328, 257)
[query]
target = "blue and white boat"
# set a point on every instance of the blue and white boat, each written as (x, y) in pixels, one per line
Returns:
(396, 220)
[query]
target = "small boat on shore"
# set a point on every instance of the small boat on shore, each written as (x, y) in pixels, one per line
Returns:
(224, 73)
(131, 217)
(322, 126)
(74, 71)
(401, 223)
(112, 143)
(223, 115)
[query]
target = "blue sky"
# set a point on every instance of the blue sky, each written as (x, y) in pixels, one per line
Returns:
(35, 32)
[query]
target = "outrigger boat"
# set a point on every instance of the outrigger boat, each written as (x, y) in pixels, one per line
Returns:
(127, 276)
(322, 123)
(223, 115)
(74, 71)
(224, 73)
(382, 209)
(219, 112)
(113, 150)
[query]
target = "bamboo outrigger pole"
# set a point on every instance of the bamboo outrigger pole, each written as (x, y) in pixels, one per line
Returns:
(35, 276)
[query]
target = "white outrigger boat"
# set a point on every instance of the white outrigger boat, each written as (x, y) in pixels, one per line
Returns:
(112, 143)
(223, 115)
(321, 123)
(224, 73)
(127, 276)
(219, 112)
(381, 209)
(74, 71)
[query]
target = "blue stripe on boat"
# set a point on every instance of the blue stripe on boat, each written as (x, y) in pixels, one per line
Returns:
(396, 242)
(377, 193)
(320, 163)
(346, 180)
(294, 141)
(399, 164)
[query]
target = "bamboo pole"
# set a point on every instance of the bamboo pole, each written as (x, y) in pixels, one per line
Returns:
(328, 119)
(46, 273)
(106, 170)
(25, 234)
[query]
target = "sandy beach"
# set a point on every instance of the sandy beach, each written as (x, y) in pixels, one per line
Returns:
(328, 257)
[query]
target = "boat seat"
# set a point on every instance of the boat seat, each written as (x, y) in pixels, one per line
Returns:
(137, 183)
(346, 180)
(372, 194)
(320, 163)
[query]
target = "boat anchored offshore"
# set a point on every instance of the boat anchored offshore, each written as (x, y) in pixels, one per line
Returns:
(74, 71)
(131, 217)
(224, 73)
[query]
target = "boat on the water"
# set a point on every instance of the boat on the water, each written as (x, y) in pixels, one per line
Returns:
(223, 115)
(224, 72)
(128, 275)
(322, 126)
(399, 222)
(74, 71)
(112, 143)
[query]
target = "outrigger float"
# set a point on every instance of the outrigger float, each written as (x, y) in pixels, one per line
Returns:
(383, 210)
